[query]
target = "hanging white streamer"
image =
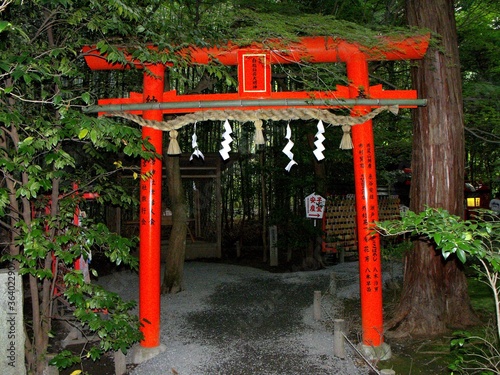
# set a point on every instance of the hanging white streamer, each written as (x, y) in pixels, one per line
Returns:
(288, 149)
(227, 141)
(318, 152)
(194, 143)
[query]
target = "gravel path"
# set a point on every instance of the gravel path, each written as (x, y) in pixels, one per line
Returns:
(234, 320)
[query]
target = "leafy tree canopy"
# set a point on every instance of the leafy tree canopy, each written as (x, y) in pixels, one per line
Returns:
(479, 36)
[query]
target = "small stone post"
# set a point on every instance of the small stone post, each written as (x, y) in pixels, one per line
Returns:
(120, 363)
(273, 245)
(332, 288)
(317, 305)
(338, 338)
(238, 249)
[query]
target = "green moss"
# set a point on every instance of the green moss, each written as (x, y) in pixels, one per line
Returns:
(481, 298)
(433, 356)
(419, 357)
(250, 26)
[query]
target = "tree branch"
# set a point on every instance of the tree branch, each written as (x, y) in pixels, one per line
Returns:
(475, 133)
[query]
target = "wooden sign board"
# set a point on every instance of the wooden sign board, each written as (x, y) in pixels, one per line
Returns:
(254, 74)
(315, 205)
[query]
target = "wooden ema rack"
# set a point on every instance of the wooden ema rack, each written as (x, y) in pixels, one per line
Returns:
(339, 222)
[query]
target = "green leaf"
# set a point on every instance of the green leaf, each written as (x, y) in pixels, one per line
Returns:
(83, 133)
(437, 238)
(27, 141)
(57, 99)
(461, 255)
(4, 25)
(102, 46)
(93, 136)
(86, 97)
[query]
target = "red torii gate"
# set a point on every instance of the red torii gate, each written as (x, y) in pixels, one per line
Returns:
(254, 92)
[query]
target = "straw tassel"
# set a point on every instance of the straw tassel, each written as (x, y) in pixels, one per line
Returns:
(173, 146)
(346, 142)
(259, 133)
(394, 109)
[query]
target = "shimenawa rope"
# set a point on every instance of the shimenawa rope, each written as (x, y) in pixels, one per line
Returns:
(256, 116)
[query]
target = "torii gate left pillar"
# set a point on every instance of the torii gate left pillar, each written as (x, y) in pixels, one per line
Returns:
(150, 216)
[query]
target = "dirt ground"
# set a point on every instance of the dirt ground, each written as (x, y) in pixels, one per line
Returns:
(245, 317)
(236, 319)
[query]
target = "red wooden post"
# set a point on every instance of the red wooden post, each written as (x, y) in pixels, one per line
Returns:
(150, 217)
(370, 276)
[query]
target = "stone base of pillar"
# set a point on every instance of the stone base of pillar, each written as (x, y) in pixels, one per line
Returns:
(139, 354)
(378, 353)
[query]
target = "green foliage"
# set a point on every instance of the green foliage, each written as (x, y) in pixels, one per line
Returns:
(64, 359)
(250, 26)
(104, 313)
(479, 36)
(395, 249)
(477, 241)
(474, 354)
(476, 351)
(51, 154)
(482, 300)
(450, 233)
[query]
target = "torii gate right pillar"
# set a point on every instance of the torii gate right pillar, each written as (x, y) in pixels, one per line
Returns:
(370, 276)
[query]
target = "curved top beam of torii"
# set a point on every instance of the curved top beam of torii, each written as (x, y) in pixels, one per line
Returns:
(316, 49)
(254, 75)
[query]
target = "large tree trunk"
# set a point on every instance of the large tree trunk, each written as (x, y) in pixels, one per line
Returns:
(435, 294)
(174, 267)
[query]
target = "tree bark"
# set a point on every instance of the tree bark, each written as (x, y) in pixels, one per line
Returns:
(262, 157)
(174, 267)
(434, 296)
(314, 251)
